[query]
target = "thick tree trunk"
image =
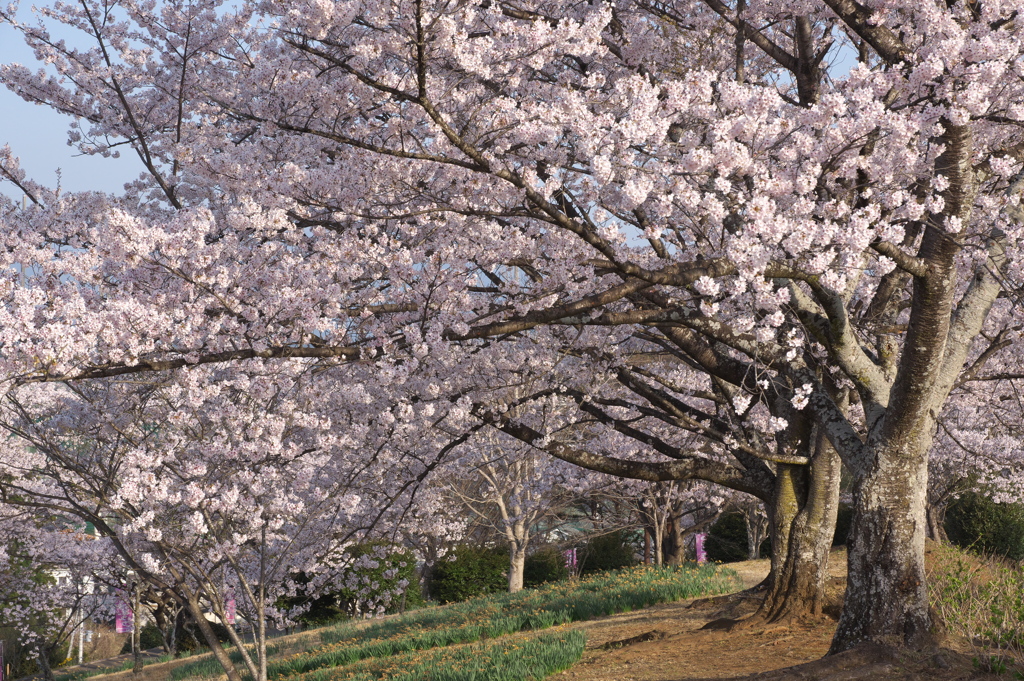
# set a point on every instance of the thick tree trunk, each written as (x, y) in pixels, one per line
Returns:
(886, 599)
(517, 564)
(803, 522)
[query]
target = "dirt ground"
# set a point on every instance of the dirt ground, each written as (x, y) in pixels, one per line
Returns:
(667, 643)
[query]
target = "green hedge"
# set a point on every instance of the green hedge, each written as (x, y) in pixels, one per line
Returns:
(468, 572)
(543, 566)
(607, 552)
(976, 522)
(727, 540)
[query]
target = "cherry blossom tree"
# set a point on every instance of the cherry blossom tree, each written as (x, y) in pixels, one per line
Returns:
(977, 446)
(203, 488)
(512, 488)
(810, 252)
(53, 577)
(672, 511)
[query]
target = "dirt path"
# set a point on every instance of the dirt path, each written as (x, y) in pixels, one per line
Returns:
(666, 643)
(679, 649)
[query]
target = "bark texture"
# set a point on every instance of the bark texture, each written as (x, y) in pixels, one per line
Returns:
(803, 524)
(886, 597)
(517, 564)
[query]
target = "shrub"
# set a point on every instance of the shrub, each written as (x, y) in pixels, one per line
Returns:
(545, 565)
(727, 539)
(470, 571)
(607, 552)
(149, 637)
(975, 521)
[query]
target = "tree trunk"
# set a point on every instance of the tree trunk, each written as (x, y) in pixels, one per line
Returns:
(803, 522)
(886, 599)
(136, 635)
(44, 663)
(211, 639)
(756, 527)
(517, 563)
(937, 523)
(672, 546)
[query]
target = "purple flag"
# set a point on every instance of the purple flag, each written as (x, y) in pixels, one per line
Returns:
(1, 661)
(698, 541)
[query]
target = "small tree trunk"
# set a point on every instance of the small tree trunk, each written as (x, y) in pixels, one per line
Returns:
(755, 530)
(136, 635)
(886, 599)
(517, 563)
(937, 523)
(211, 639)
(44, 663)
(261, 626)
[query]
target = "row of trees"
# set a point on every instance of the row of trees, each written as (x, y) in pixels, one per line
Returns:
(743, 243)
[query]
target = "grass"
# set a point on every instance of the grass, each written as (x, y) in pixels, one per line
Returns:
(123, 667)
(435, 629)
(982, 599)
(507, 659)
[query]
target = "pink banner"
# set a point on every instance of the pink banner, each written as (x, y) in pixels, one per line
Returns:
(698, 541)
(229, 606)
(124, 618)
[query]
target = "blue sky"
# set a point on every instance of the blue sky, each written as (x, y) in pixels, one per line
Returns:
(38, 135)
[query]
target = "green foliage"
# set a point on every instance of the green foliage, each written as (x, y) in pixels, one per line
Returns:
(607, 552)
(149, 637)
(470, 571)
(545, 565)
(727, 540)
(364, 597)
(975, 521)
(982, 600)
(493, 616)
(844, 520)
(22, 660)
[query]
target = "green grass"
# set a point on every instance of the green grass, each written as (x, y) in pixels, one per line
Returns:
(123, 667)
(507, 659)
(487, 617)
